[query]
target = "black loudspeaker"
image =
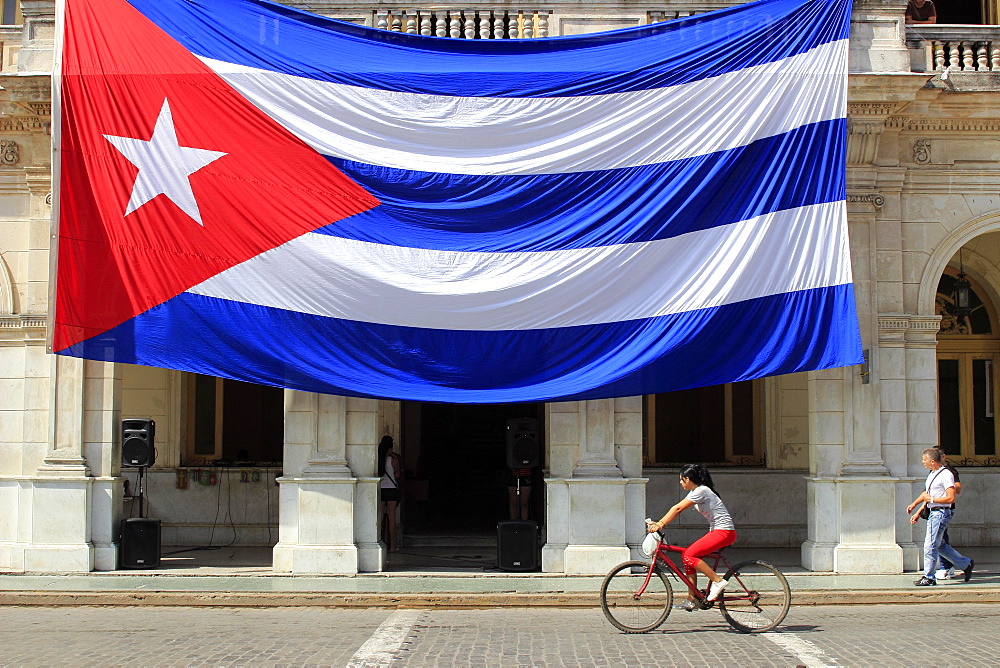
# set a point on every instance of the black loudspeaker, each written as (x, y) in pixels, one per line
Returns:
(517, 545)
(138, 448)
(522, 443)
(140, 543)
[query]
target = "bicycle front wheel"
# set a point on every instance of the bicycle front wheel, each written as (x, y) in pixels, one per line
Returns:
(628, 608)
(757, 598)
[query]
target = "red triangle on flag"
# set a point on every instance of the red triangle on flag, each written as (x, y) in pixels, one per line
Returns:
(117, 260)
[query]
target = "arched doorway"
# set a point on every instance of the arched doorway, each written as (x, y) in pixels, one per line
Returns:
(968, 363)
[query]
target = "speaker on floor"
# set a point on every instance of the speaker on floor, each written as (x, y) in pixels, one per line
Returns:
(138, 447)
(522, 443)
(140, 543)
(517, 545)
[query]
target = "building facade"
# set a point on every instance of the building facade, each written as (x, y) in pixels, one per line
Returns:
(821, 461)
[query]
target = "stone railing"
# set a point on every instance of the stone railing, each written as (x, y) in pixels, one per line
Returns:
(955, 48)
(466, 23)
(499, 22)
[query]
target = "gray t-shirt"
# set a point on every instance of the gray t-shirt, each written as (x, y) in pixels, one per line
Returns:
(710, 505)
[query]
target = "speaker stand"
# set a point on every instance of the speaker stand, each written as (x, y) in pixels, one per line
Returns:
(141, 491)
(517, 515)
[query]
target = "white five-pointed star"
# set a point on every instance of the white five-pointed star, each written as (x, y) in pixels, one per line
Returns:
(164, 166)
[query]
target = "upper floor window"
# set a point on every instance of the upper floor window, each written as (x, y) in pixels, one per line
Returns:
(10, 12)
(975, 12)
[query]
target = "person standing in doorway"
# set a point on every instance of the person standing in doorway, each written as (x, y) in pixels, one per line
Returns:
(389, 470)
(519, 492)
(938, 495)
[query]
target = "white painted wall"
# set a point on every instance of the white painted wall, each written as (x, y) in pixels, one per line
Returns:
(229, 512)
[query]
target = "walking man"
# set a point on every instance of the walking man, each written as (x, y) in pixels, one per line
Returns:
(939, 495)
(946, 569)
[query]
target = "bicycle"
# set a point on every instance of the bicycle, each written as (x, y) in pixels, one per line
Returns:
(637, 597)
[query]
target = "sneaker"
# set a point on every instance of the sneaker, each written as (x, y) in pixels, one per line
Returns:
(925, 582)
(716, 589)
(944, 574)
(686, 606)
(968, 571)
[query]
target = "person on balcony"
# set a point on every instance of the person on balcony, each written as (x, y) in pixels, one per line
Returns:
(921, 11)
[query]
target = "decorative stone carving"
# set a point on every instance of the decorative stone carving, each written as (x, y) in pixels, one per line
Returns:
(862, 140)
(9, 152)
(973, 126)
(922, 152)
(875, 199)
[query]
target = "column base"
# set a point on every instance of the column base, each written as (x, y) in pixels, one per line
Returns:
(593, 559)
(913, 556)
(868, 559)
(552, 558)
(818, 556)
(316, 559)
(371, 557)
(58, 559)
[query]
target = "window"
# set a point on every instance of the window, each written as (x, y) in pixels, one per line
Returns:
(718, 425)
(230, 421)
(968, 357)
(975, 12)
(10, 12)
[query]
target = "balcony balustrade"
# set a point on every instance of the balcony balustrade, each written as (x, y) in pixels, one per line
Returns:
(954, 48)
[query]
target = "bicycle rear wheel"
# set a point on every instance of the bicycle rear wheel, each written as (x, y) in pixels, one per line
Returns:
(629, 610)
(757, 598)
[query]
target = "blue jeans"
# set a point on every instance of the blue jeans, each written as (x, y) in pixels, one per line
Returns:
(934, 545)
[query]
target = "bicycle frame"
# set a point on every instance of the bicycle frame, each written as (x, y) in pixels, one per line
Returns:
(662, 556)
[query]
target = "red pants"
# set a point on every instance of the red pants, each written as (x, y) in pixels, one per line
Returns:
(707, 544)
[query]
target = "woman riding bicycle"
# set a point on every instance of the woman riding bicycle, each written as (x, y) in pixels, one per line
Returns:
(721, 531)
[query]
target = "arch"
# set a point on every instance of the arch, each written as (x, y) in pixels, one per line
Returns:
(988, 275)
(6, 288)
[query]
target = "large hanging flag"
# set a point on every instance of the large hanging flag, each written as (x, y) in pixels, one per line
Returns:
(254, 192)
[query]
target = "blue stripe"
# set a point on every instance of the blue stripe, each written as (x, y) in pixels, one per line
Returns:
(798, 331)
(272, 37)
(559, 211)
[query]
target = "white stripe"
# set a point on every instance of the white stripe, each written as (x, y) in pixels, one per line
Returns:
(779, 252)
(388, 638)
(808, 653)
(469, 135)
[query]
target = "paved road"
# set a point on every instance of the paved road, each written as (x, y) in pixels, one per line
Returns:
(887, 635)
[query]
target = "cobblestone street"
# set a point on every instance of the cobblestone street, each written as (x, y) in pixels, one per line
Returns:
(888, 635)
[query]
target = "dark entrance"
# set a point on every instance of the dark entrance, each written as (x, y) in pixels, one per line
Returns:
(455, 459)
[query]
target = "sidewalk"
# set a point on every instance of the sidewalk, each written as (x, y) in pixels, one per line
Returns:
(243, 577)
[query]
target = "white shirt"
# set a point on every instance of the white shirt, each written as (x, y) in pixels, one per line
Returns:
(937, 484)
(711, 507)
(388, 480)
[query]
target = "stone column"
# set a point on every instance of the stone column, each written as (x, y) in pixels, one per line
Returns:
(317, 495)
(850, 494)
(894, 426)
(595, 499)
(102, 450)
(921, 424)
(363, 433)
(826, 443)
(59, 536)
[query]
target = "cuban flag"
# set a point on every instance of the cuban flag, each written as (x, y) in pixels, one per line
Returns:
(250, 191)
